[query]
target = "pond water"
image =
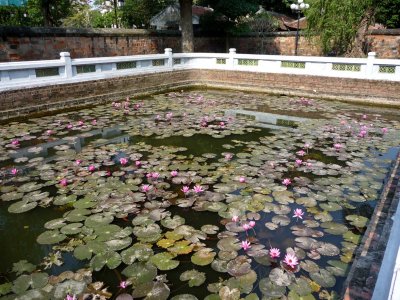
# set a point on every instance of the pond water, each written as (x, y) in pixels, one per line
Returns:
(191, 195)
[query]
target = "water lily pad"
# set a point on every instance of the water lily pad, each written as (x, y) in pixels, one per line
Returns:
(173, 222)
(334, 228)
(327, 249)
(229, 294)
(301, 287)
(357, 221)
(140, 272)
(109, 258)
(324, 278)
(85, 251)
(71, 229)
(181, 247)
(239, 266)
(164, 261)
(98, 220)
(73, 287)
(281, 277)
(51, 237)
(35, 280)
(21, 207)
(184, 297)
(270, 289)
(194, 277)
(203, 257)
(23, 266)
(152, 291)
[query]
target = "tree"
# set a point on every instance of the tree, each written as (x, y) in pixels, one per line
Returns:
(186, 25)
(341, 26)
(388, 13)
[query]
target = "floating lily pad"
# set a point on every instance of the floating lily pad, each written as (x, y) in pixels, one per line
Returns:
(194, 277)
(111, 259)
(140, 252)
(203, 257)
(334, 228)
(357, 221)
(164, 261)
(51, 237)
(281, 277)
(324, 278)
(152, 291)
(21, 207)
(35, 280)
(140, 272)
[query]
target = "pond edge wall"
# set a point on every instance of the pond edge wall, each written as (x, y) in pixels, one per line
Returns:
(23, 101)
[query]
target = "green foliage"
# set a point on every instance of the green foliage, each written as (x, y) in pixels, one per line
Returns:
(388, 13)
(12, 16)
(139, 12)
(335, 34)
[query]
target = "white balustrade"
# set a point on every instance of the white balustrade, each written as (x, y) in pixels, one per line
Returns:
(26, 74)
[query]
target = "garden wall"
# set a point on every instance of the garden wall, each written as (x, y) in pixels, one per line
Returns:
(24, 101)
(25, 43)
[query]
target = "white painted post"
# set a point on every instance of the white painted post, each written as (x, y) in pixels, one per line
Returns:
(170, 63)
(232, 53)
(66, 58)
(370, 64)
(4, 76)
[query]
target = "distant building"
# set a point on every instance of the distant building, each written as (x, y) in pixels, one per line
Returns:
(169, 18)
(13, 2)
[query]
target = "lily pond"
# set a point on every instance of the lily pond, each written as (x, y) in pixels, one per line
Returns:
(191, 195)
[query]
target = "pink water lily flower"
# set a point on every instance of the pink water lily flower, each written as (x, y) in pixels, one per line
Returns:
(185, 189)
(138, 163)
(94, 122)
(298, 162)
(228, 156)
(384, 130)
(246, 245)
(174, 173)
(70, 126)
(64, 182)
(80, 123)
(14, 171)
(123, 284)
(123, 161)
(301, 153)
(78, 162)
(49, 132)
(252, 224)
(246, 226)
(222, 124)
(337, 146)
(70, 297)
(198, 189)
(274, 252)
(15, 142)
(155, 175)
(364, 117)
(91, 168)
(298, 213)
(286, 181)
(242, 179)
(362, 133)
(146, 188)
(235, 218)
(291, 260)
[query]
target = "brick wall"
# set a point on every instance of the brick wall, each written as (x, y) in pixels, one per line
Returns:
(18, 43)
(25, 101)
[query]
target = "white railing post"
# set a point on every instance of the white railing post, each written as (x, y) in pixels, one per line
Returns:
(168, 52)
(231, 60)
(66, 58)
(370, 64)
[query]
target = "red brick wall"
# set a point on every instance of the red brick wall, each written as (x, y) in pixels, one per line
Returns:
(46, 43)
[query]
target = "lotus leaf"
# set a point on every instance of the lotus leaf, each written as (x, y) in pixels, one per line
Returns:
(239, 266)
(50, 237)
(330, 206)
(203, 257)
(324, 278)
(334, 228)
(281, 277)
(140, 252)
(140, 272)
(309, 266)
(23, 266)
(306, 201)
(181, 247)
(69, 286)
(194, 277)
(281, 220)
(173, 222)
(55, 224)
(214, 206)
(219, 265)
(11, 196)
(107, 232)
(171, 235)
(165, 243)
(357, 221)
(35, 280)
(270, 289)
(164, 261)
(110, 258)
(300, 230)
(21, 207)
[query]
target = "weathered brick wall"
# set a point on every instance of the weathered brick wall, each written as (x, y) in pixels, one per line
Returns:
(46, 43)
(29, 100)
